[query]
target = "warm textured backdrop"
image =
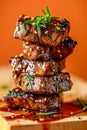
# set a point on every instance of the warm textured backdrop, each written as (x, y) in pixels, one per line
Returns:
(74, 10)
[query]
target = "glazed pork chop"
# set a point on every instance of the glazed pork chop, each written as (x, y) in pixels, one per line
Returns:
(20, 65)
(35, 51)
(52, 34)
(17, 99)
(44, 84)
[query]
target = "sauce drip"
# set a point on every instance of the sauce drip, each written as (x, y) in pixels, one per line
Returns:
(67, 110)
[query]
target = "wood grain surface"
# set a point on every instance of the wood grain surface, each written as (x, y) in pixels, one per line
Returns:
(77, 122)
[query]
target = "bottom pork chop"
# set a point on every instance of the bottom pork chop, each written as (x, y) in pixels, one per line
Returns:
(17, 99)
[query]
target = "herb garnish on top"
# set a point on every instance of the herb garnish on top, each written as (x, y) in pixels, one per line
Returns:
(40, 21)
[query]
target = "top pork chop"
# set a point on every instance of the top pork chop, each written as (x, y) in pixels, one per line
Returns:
(51, 35)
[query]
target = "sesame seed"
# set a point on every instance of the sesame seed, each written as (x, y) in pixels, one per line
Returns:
(25, 63)
(55, 78)
(26, 83)
(24, 51)
(29, 53)
(33, 23)
(21, 55)
(16, 56)
(13, 66)
(53, 70)
(20, 66)
(71, 113)
(64, 29)
(35, 32)
(58, 28)
(25, 17)
(46, 32)
(42, 85)
(45, 99)
(30, 49)
(58, 51)
(67, 78)
(15, 76)
(12, 116)
(41, 119)
(23, 70)
(37, 47)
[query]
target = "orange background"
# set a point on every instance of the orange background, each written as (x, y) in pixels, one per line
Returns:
(74, 10)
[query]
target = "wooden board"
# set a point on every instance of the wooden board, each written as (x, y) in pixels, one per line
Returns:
(76, 122)
(71, 123)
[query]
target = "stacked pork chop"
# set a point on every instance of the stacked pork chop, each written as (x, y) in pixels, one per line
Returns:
(38, 71)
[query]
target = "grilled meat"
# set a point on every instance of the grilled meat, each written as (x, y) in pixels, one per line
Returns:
(17, 99)
(19, 65)
(43, 84)
(36, 51)
(38, 71)
(51, 34)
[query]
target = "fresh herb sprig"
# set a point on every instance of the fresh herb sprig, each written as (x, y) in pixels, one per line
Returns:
(10, 93)
(28, 80)
(40, 21)
(47, 113)
(83, 103)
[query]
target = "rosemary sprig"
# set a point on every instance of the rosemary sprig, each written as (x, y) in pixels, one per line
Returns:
(10, 93)
(57, 86)
(41, 21)
(15, 93)
(47, 113)
(28, 79)
(83, 103)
